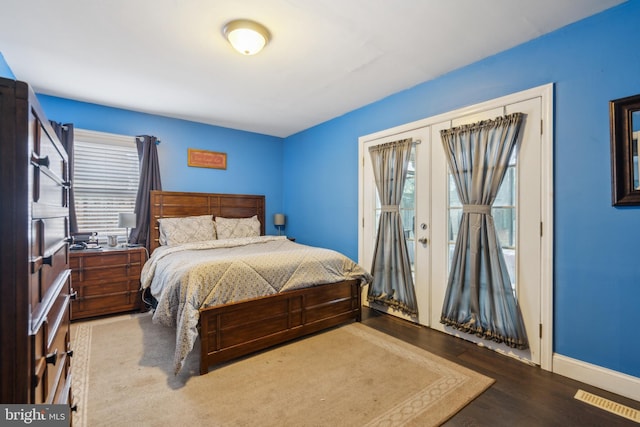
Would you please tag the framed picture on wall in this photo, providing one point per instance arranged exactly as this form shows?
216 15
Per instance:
624 116
206 159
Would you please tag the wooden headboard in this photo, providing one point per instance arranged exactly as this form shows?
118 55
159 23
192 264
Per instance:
173 204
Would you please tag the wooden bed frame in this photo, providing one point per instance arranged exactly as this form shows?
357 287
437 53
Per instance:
233 330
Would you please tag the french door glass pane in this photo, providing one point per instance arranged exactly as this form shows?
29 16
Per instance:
504 217
407 207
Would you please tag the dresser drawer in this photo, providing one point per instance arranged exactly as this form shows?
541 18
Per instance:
49 170
106 267
50 191
90 289
105 274
58 337
39 351
106 304
90 259
55 230
50 343
55 264
45 271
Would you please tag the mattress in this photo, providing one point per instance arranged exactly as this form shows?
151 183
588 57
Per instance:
188 277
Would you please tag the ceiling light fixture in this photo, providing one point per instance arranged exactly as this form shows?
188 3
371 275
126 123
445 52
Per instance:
247 37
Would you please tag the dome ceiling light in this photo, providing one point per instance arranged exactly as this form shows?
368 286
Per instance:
247 37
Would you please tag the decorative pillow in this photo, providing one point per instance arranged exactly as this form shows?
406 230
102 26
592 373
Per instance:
230 228
174 231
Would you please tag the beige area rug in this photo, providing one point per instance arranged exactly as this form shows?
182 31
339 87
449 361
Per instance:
348 376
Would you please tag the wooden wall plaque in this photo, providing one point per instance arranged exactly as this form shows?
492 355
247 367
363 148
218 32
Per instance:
206 159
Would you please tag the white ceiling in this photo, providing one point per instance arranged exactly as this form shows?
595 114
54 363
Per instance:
326 57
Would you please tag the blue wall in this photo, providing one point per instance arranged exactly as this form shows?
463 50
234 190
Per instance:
5 70
597 246
254 161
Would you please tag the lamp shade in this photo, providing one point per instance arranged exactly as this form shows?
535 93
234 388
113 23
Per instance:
126 220
278 219
247 37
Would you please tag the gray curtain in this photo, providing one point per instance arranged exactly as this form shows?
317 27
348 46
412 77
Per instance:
392 279
479 298
149 180
65 135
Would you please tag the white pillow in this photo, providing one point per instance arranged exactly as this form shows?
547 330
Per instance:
174 231
231 228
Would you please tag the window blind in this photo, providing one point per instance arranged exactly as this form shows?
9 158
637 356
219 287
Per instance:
105 180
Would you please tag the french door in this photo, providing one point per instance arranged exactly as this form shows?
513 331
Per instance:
414 212
431 212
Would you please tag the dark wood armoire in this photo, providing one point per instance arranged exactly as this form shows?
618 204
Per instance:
35 284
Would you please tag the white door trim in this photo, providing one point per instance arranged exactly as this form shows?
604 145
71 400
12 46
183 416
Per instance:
545 92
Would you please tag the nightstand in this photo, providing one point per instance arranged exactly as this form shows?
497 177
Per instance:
107 280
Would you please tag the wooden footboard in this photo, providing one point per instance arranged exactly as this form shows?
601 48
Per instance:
238 329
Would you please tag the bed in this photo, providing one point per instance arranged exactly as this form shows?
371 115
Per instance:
227 322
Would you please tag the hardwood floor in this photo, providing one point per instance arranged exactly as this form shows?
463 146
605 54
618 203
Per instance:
521 396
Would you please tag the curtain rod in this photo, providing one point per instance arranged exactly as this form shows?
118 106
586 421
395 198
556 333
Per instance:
142 136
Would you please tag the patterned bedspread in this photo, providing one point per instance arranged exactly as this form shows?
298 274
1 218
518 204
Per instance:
188 277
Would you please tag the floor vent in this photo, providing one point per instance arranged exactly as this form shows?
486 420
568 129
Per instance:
608 405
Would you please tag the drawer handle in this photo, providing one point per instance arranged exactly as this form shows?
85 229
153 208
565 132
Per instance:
73 296
35 381
74 407
70 353
52 358
40 161
48 260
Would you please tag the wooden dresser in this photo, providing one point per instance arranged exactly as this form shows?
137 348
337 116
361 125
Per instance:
107 280
35 285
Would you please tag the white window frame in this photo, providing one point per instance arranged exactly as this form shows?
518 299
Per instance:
112 190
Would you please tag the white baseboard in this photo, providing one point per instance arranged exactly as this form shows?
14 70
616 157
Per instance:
597 376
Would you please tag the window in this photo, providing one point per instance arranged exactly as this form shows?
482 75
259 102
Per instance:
105 180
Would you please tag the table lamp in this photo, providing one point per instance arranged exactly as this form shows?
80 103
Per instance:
278 221
127 220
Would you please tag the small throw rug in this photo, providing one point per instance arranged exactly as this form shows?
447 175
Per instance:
351 375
